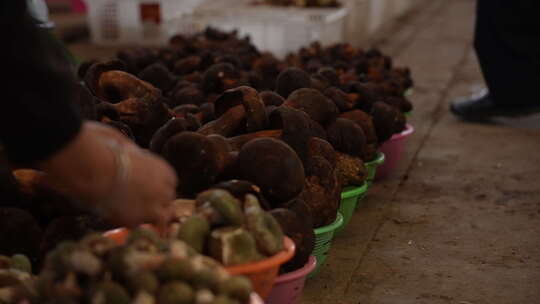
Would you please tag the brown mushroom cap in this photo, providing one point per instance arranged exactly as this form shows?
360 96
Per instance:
239 111
187 65
195 159
172 127
187 95
367 95
158 75
330 75
297 128
347 137
220 77
322 191
290 80
144 117
315 104
387 120
182 110
94 71
320 147
137 59
300 231
273 166
248 97
270 98
365 121
340 99
208 112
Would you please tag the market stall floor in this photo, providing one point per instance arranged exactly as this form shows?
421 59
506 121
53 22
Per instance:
459 222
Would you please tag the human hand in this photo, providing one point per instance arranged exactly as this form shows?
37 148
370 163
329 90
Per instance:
106 171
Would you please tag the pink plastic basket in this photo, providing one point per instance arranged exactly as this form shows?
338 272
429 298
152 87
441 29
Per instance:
288 287
393 152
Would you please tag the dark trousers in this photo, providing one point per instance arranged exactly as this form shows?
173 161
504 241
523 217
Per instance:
507 42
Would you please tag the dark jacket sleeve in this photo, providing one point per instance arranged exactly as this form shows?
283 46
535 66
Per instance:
37 113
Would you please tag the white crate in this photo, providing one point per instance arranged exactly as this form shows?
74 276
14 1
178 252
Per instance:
143 22
356 27
280 30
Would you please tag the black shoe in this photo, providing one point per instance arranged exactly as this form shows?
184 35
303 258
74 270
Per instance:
481 107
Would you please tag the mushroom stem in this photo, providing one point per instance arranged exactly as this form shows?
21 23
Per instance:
227 124
238 142
119 85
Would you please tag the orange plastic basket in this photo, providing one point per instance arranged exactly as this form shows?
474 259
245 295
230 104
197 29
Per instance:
261 273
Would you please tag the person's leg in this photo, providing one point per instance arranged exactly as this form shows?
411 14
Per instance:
507 43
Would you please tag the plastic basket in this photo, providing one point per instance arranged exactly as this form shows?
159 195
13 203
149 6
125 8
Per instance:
323 241
372 167
144 22
280 30
393 150
349 201
261 273
288 287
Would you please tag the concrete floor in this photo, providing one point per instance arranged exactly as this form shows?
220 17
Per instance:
459 221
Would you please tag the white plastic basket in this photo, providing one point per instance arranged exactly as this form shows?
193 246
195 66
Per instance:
279 30
143 22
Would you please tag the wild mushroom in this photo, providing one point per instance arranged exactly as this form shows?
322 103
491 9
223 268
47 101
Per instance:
365 121
109 82
239 110
196 159
290 80
387 120
300 231
158 75
136 59
220 77
290 125
169 129
144 117
315 104
188 95
340 99
347 137
274 167
187 65
270 98
322 191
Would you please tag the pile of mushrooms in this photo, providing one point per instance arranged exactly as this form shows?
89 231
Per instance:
298 130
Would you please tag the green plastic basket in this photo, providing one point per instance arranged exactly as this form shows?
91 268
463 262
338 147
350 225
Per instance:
349 199
323 241
372 167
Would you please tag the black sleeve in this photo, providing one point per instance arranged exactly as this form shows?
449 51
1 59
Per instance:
37 115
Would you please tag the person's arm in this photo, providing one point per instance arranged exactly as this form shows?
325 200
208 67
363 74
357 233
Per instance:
40 128
36 115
